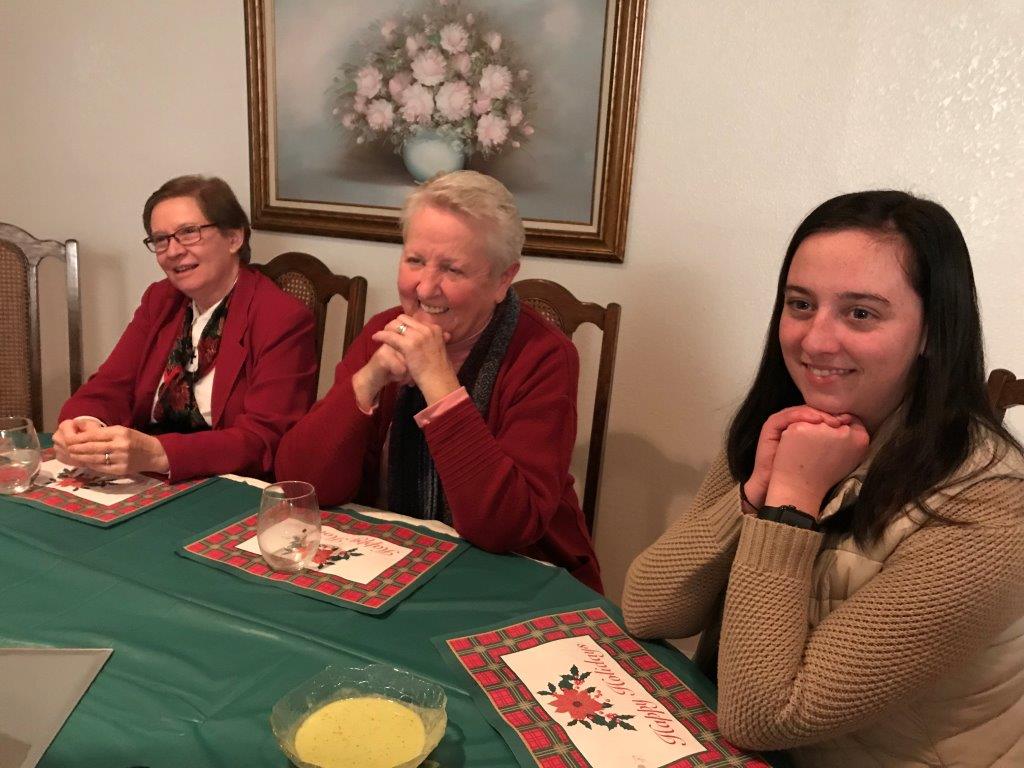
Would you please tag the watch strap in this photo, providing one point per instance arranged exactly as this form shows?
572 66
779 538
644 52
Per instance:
787 514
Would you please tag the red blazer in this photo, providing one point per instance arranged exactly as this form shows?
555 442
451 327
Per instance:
264 377
506 478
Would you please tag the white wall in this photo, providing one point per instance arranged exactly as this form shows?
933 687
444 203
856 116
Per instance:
751 113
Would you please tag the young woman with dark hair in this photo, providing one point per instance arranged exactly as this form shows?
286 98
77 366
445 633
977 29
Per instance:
864 522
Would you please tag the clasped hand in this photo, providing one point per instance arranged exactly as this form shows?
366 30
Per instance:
415 355
109 450
801 453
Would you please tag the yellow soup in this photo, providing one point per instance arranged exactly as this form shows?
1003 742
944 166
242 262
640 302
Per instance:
364 732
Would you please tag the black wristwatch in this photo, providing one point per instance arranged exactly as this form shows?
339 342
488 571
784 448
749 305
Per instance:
788 515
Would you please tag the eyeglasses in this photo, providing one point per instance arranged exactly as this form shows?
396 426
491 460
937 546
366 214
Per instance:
187 235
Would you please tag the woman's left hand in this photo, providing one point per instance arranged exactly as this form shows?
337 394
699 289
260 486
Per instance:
422 346
117 451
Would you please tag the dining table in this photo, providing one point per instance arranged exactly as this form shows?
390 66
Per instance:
201 656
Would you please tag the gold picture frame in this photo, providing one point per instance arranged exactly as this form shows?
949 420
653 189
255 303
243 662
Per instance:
594 230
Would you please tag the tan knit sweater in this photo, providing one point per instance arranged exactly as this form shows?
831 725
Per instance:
941 596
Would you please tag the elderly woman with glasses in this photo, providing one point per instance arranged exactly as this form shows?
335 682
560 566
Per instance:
459 404
216 364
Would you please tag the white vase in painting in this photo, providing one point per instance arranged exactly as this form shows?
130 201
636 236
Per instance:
428 153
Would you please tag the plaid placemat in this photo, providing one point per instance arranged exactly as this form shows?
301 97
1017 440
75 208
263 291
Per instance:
60 500
534 736
430 552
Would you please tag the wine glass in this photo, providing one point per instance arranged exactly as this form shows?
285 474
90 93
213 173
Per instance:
288 525
19 454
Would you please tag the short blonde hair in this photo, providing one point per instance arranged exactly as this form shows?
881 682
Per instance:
481 198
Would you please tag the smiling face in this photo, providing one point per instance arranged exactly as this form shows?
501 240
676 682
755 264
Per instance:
852 325
445 277
203 271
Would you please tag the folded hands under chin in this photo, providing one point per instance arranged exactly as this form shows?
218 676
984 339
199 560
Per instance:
801 453
410 351
109 450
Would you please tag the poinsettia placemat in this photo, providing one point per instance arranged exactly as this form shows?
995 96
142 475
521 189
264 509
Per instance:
369 565
572 689
97 499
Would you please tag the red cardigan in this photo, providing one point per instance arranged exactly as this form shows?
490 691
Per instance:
264 377
506 479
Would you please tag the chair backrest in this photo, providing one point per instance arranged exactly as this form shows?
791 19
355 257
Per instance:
310 281
1004 391
567 312
21 378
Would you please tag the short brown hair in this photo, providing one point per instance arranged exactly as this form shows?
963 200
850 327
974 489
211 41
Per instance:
215 199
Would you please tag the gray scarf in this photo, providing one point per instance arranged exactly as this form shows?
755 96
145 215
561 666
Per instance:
414 487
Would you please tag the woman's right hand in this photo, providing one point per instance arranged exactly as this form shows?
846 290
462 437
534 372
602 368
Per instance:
756 486
385 366
67 434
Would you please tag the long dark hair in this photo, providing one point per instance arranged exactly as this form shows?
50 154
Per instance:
947 408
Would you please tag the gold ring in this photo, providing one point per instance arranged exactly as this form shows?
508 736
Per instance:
106 458
401 329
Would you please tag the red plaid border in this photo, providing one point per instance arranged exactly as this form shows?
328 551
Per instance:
61 502
429 554
547 742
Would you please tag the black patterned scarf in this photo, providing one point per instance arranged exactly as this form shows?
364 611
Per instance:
414 487
176 409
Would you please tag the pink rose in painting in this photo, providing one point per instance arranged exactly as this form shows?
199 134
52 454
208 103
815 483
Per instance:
495 81
493 39
429 67
470 19
368 80
387 29
398 84
349 119
527 130
419 104
481 104
461 63
454 100
413 43
524 75
359 104
514 114
380 114
454 38
491 130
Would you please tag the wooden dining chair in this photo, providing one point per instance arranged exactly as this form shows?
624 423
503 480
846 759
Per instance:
21 378
568 313
310 281
1004 391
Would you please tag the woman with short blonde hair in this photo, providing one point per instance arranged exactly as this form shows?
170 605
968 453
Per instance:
459 404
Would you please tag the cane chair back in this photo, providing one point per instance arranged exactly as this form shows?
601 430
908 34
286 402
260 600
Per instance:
568 313
310 281
1004 391
21 377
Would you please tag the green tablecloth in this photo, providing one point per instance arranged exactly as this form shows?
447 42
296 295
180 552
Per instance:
200 656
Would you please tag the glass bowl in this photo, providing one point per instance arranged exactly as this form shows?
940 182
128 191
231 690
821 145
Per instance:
378 681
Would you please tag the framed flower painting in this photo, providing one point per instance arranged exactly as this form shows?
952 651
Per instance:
353 102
